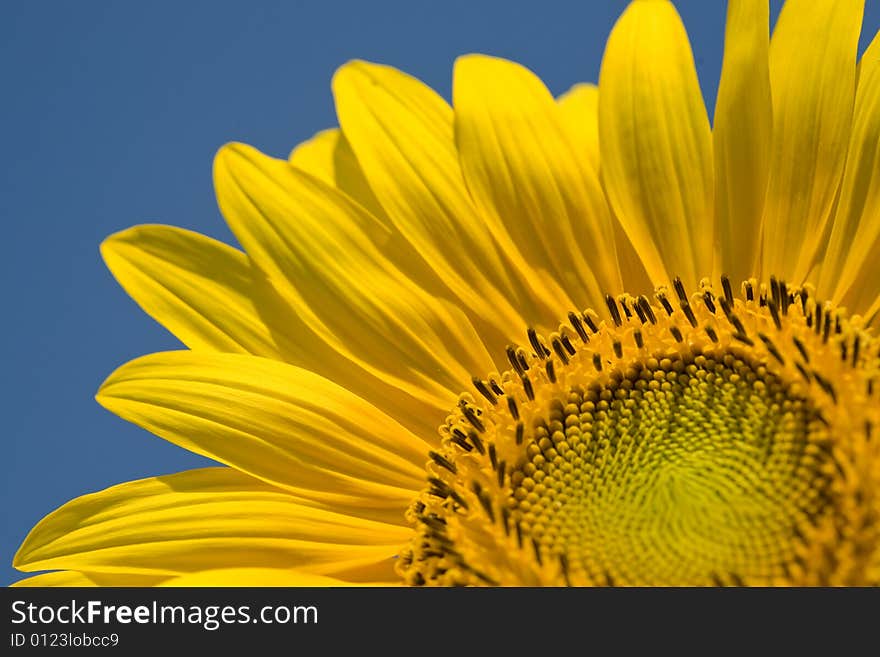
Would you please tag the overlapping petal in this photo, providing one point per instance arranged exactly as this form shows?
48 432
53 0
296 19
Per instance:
579 113
655 141
277 422
201 520
328 157
741 138
401 132
812 78
201 290
73 578
525 177
319 248
262 577
850 272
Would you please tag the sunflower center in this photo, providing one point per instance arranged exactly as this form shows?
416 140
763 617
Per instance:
687 446
674 469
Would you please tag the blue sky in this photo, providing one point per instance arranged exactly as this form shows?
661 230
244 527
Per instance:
111 113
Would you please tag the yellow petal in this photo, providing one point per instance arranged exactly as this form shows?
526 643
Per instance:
319 248
68 578
201 520
850 271
328 157
280 423
812 78
656 147
201 290
579 113
402 134
525 176
742 137
249 577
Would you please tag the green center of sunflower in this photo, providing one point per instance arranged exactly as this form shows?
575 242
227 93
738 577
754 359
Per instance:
690 446
671 470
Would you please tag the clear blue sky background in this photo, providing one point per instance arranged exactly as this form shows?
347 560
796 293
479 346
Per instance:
110 115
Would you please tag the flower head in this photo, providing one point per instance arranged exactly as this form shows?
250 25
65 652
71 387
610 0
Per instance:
646 341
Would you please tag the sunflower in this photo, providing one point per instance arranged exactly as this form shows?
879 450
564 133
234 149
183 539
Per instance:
646 342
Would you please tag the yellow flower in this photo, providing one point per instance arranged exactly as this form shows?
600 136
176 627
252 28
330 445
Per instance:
410 271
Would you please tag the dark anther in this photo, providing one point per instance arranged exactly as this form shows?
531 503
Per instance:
588 319
471 417
826 328
477 442
597 362
461 441
560 351
774 312
785 300
825 384
613 309
661 297
520 431
502 468
519 536
551 371
801 348
837 327
726 307
523 362
750 292
855 355
609 580
637 335
566 342
458 499
512 407
645 305
493 384
537 548
578 326
618 348
510 350
709 301
485 502
771 348
737 324
563 566
527 388
505 520
679 290
725 286
742 337
440 485
443 462
675 333
818 327
481 387
774 291
689 313
493 456
640 312
540 350
803 372
711 333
